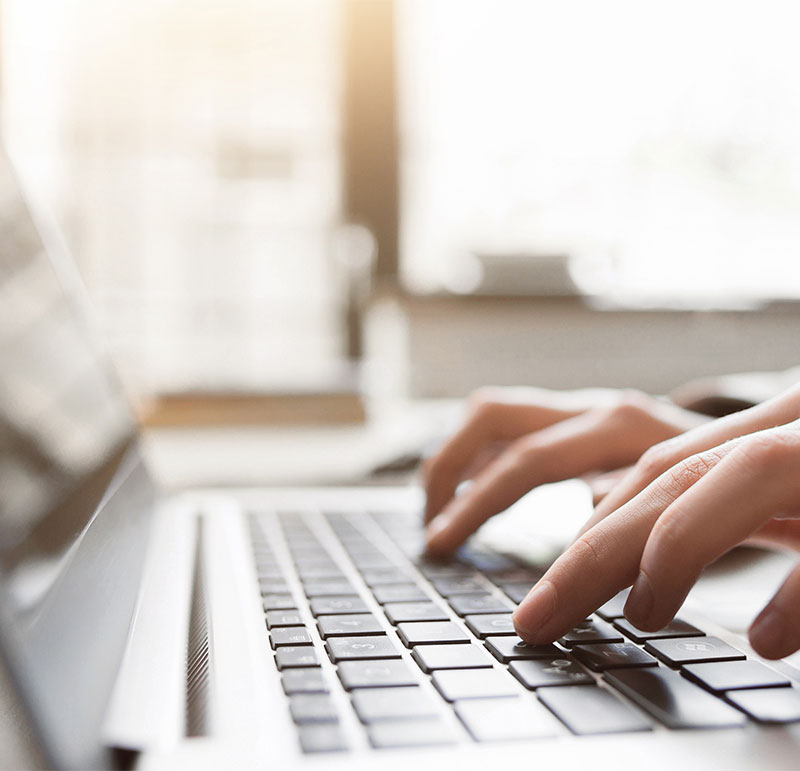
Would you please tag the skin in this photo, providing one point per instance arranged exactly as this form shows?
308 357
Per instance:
658 525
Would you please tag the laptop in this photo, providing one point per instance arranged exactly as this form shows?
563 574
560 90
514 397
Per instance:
303 628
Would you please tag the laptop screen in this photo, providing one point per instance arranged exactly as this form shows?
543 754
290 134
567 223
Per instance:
70 551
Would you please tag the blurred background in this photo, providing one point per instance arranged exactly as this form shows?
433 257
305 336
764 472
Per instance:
563 194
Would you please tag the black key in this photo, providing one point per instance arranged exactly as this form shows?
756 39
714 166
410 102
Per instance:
290 617
512 719
591 632
273 586
615 607
397 612
277 602
516 591
431 632
604 656
296 656
592 710
375 674
376 704
385 576
290 635
339 626
690 650
465 604
437 570
320 573
303 681
734 675
770 705
506 649
675 628
317 588
351 648
457 684
334 606
326 737
312 708
409 733
399 593
451 586
545 673
432 657
673 700
490 624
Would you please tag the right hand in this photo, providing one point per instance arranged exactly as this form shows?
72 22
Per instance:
515 439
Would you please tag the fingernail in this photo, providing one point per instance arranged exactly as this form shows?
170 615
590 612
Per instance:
767 631
535 610
640 602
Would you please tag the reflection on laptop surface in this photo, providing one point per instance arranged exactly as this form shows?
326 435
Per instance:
302 628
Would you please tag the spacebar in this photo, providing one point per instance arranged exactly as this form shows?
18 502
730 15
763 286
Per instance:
673 700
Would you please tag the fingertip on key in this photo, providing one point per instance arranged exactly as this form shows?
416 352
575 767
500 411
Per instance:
534 612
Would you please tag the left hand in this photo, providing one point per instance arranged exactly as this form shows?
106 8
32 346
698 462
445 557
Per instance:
685 503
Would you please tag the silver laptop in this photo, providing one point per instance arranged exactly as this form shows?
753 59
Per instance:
302 628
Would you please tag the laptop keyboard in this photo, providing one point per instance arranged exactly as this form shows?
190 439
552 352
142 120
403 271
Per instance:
426 652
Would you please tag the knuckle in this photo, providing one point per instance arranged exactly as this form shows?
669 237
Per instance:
691 469
481 398
589 548
765 451
655 460
631 407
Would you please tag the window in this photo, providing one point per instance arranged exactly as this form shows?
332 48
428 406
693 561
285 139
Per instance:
657 144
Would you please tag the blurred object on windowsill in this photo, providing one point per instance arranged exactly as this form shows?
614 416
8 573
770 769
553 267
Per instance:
515 273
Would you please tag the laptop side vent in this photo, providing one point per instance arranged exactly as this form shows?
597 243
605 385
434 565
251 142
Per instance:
197 658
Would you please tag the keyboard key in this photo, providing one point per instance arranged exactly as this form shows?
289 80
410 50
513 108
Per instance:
375 704
516 591
693 650
273 586
290 635
370 560
409 733
399 593
334 606
397 612
277 602
326 737
350 648
734 675
312 708
435 570
615 607
675 628
330 588
375 674
544 673
592 710
431 632
512 719
303 681
290 617
339 626
457 684
451 586
432 657
506 649
602 656
490 624
770 705
465 604
320 573
296 656
591 632
385 576
673 700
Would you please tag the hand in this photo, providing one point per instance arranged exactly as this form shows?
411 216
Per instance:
686 502
516 439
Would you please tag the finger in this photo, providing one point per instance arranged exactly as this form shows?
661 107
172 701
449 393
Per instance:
602 484
602 561
779 533
742 492
491 422
662 457
776 631
570 448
